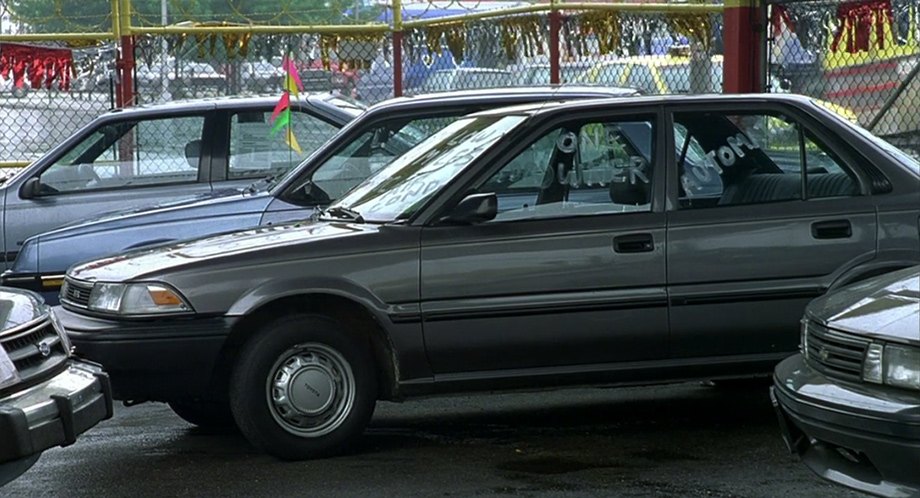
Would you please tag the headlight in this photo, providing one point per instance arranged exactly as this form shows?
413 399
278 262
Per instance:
893 365
136 299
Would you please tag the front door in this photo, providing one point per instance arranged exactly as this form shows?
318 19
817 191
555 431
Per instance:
571 272
768 214
118 166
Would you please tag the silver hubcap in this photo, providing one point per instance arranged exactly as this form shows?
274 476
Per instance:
311 390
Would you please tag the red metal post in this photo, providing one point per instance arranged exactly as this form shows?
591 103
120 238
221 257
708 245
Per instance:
124 97
126 73
397 64
555 24
743 41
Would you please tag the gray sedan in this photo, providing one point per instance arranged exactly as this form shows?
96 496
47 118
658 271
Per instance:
617 240
849 403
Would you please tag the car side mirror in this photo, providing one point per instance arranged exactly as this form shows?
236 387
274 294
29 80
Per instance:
474 208
30 188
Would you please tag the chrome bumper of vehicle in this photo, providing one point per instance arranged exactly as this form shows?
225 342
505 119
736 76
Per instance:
852 435
54 412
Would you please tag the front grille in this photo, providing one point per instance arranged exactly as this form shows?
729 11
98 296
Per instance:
835 354
35 350
75 293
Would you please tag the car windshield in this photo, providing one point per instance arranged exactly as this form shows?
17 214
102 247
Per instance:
398 190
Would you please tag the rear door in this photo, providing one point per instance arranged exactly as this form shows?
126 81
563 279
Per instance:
120 165
768 209
570 273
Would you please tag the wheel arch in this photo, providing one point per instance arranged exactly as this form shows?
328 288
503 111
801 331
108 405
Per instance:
355 316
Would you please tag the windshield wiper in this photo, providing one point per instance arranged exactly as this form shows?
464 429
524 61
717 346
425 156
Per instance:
344 212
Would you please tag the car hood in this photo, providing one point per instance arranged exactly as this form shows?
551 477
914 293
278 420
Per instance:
886 307
18 307
220 202
270 240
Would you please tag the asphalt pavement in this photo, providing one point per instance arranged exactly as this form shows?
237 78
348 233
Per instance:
664 441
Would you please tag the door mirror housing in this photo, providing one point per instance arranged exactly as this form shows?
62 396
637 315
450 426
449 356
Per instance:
30 188
474 208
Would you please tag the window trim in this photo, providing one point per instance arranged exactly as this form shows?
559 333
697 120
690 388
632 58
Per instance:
220 165
201 177
805 121
498 157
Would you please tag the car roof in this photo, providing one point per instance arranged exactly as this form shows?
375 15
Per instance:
319 99
499 94
538 108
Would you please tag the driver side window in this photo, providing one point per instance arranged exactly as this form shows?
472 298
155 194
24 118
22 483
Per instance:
129 154
581 169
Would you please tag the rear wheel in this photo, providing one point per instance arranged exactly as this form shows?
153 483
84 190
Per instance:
303 388
206 414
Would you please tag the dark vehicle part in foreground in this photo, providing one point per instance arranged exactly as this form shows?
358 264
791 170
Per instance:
47 398
644 239
377 137
849 403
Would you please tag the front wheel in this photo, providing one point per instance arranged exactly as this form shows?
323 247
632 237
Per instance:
303 388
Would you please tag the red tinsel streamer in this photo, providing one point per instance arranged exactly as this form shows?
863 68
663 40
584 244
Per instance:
779 17
856 22
42 65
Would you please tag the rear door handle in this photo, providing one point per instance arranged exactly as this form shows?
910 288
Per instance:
639 242
834 229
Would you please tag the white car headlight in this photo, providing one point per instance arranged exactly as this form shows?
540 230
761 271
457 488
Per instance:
902 366
136 299
892 365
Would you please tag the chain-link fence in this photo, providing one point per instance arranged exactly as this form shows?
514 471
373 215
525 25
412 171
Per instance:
52 87
218 51
860 57
653 52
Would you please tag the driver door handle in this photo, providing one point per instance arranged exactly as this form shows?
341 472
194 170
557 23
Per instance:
836 229
638 242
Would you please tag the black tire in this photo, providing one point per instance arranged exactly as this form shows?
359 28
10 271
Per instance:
340 388
209 415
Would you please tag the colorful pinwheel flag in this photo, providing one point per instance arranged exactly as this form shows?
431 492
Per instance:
281 116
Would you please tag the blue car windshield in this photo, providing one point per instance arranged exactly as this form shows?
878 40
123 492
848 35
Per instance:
403 186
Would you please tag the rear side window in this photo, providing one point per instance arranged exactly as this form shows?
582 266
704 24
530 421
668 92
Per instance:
727 159
130 154
256 153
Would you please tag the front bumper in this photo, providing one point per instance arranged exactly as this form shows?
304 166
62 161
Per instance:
54 412
861 436
153 360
